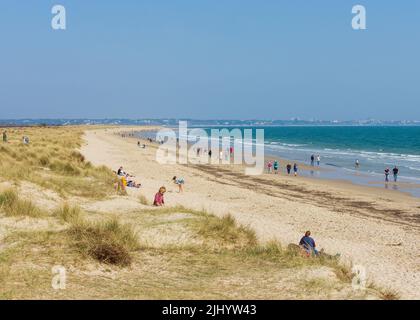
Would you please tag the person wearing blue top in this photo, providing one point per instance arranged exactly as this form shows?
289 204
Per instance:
179 182
308 243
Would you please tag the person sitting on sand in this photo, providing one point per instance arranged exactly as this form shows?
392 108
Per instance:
159 200
121 172
179 182
131 183
308 243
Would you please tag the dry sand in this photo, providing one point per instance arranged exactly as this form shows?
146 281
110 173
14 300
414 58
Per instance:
371 227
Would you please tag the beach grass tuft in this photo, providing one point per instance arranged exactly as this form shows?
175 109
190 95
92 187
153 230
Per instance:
225 230
108 242
67 213
12 205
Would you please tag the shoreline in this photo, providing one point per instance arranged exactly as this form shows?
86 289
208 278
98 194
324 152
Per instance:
329 174
366 225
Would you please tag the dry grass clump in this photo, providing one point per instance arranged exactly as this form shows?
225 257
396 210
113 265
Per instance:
108 242
225 231
67 213
384 293
12 205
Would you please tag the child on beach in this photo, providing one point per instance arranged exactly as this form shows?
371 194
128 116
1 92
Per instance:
288 168
159 200
276 166
179 182
295 169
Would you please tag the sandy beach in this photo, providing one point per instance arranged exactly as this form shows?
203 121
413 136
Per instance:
375 228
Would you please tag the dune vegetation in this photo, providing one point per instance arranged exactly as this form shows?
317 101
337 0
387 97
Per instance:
143 253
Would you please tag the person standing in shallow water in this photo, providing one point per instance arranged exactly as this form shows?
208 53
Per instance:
312 160
395 172
276 166
269 166
386 174
295 168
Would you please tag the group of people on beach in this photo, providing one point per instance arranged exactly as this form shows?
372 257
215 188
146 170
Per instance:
274 166
125 180
395 171
318 160
159 199
25 139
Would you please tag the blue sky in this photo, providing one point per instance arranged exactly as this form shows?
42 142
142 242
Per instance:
210 59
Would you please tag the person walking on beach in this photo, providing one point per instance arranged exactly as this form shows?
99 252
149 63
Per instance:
210 153
318 160
312 160
276 166
269 166
295 169
395 172
288 168
4 136
386 174
357 164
